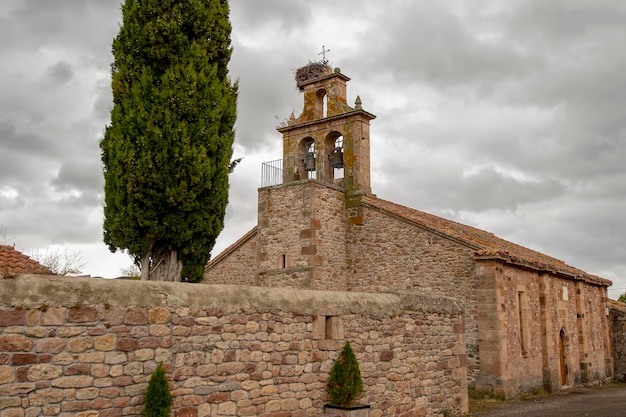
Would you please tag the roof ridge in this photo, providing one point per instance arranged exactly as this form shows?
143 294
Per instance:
483 242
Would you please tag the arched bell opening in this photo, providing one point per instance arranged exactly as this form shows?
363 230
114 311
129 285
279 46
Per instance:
308 163
333 149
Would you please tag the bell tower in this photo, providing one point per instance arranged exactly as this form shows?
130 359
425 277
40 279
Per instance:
329 141
310 197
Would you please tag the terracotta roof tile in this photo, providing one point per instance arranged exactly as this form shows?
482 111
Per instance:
15 262
485 244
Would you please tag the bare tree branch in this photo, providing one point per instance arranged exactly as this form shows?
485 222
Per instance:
60 261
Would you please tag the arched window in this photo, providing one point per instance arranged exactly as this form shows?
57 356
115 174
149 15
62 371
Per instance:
321 104
309 159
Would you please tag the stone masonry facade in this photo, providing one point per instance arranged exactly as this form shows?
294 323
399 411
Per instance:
307 238
531 321
86 347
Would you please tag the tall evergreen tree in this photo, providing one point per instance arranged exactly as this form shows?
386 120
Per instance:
167 153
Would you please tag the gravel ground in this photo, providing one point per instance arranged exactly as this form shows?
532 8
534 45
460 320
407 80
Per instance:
605 401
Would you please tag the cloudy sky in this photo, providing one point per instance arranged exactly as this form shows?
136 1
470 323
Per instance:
508 116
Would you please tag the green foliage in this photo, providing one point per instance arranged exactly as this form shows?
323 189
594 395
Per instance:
345 383
622 298
158 401
167 152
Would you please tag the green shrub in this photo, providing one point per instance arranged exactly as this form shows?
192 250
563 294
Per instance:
345 383
158 401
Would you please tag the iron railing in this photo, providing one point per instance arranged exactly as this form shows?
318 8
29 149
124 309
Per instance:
282 171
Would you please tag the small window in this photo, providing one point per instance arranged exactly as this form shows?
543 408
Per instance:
327 327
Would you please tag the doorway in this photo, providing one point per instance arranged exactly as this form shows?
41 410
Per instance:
562 357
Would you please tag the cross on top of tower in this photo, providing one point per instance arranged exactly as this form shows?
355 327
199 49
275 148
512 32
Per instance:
323 54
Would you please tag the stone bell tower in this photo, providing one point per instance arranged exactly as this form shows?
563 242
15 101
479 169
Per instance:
309 197
329 141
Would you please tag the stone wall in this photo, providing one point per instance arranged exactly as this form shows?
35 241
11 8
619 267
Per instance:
86 347
617 322
301 237
544 330
237 264
388 253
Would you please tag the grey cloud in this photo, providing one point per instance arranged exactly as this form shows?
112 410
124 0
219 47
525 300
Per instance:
60 73
23 143
532 87
88 24
79 174
274 15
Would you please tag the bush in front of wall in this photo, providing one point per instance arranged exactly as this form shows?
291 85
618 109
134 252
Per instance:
345 383
158 401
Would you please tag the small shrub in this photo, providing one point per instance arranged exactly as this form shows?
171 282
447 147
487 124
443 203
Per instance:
345 383
158 401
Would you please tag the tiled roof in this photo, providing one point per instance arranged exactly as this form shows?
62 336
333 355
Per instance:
617 305
15 262
486 245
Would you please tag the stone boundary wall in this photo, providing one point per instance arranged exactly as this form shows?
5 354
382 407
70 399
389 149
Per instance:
617 325
87 346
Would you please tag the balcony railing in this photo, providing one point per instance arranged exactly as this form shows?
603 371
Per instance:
282 171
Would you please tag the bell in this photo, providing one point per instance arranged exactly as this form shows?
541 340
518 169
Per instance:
309 161
336 158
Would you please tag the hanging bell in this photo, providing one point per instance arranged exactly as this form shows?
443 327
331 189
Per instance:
309 161
336 158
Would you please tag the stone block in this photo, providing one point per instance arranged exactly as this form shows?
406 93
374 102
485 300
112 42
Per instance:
15 343
7 374
136 316
79 381
187 412
79 344
51 345
12 317
53 316
105 342
6 402
43 371
23 359
82 315
158 315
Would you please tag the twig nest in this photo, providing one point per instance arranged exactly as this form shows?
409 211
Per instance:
311 71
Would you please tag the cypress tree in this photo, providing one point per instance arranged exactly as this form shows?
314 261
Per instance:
167 152
158 401
345 383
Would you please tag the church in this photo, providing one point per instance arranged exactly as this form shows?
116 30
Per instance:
531 321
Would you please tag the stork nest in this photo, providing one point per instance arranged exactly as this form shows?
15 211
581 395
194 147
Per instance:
311 71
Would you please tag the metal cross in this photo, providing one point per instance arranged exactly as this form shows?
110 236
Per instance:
323 54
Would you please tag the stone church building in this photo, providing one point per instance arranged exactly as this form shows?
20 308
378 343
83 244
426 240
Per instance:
531 321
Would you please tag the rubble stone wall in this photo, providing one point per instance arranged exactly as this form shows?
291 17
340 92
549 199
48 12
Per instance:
388 254
87 346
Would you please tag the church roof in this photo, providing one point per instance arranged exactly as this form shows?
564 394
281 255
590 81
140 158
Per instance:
486 245
15 262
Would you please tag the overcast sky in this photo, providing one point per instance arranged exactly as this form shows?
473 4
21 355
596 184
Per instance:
509 116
